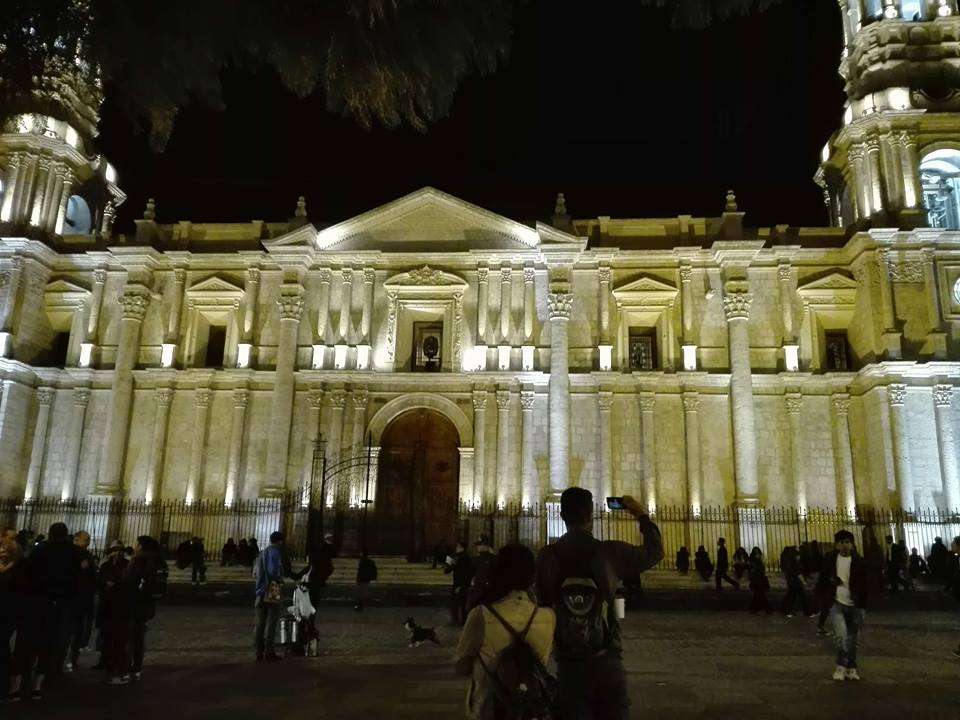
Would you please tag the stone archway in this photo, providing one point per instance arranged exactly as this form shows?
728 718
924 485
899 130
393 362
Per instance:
417 484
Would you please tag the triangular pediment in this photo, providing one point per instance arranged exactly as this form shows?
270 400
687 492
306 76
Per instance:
215 285
645 284
833 281
428 220
64 287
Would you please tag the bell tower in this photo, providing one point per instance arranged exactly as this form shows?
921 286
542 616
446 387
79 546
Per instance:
52 183
895 162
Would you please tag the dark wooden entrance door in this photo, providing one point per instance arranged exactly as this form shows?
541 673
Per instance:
417 484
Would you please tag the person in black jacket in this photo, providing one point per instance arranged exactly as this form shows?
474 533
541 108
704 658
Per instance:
140 581
683 560
462 570
13 588
723 565
198 562
792 567
844 584
81 627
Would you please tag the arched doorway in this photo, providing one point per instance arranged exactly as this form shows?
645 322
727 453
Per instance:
417 484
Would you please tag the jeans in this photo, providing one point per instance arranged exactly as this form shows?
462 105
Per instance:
593 689
268 615
199 571
846 621
458 606
723 576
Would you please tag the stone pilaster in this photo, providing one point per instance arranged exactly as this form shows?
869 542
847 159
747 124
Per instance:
44 178
504 485
531 490
10 184
361 399
323 305
162 398
71 470
529 304
843 454
346 300
691 424
134 302
946 444
393 313
339 491
241 396
784 279
92 331
604 275
794 404
310 436
65 190
936 345
14 280
176 307
890 338
686 304
367 311
483 305
605 406
251 299
45 398
198 445
897 398
479 444
506 295
648 404
559 305
875 180
290 303
736 306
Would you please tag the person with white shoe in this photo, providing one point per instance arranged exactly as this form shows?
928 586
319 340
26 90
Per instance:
844 584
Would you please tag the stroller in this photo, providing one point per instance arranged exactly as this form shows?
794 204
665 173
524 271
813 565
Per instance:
302 614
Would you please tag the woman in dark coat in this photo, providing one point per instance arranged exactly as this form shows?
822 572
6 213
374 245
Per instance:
759 583
702 564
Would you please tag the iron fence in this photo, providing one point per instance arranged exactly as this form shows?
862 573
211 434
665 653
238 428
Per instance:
350 525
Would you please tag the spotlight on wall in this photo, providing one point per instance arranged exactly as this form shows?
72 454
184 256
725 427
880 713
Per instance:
317 361
243 355
944 10
606 356
689 357
363 357
791 357
166 354
503 357
480 357
86 355
339 356
527 357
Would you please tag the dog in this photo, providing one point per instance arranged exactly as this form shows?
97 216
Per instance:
419 634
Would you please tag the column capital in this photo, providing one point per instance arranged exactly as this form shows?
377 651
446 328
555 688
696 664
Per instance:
648 401
369 275
505 273
479 399
686 273
503 399
338 398
134 302
604 273
560 305
691 402
360 398
784 272
81 396
290 302
324 274
100 276
43 163
605 401
14 160
896 394
315 398
163 396
202 397
529 274
794 403
942 395
241 396
527 399
45 395
841 404
253 275
736 305
482 273
347 275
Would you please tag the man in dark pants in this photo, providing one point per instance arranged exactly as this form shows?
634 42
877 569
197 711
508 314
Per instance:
593 684
139 580
895 555
723 565
83 610
462 570
792 569
198 562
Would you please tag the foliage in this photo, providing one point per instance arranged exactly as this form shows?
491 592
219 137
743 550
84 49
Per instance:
698 14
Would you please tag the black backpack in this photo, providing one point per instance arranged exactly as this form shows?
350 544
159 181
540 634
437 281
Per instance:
585 618
523 688
154 583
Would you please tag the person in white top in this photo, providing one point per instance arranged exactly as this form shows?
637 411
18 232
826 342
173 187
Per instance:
843 585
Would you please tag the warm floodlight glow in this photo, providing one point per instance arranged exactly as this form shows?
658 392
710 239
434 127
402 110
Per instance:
527 357
363 357
791 357
944 9
480 357
689 357
848 115
86 354
317 362
243 355
899 98
606 356
890 12
5 344
825 153
339 356
503 357
166 354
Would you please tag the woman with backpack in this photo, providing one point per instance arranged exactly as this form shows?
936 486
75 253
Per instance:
506 642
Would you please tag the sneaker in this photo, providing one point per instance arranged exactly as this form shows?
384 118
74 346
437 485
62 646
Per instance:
36 695
852 674
119 680
840 673
788 614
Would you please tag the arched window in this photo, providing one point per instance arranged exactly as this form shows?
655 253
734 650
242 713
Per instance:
940 177
872 10
78 220
911 9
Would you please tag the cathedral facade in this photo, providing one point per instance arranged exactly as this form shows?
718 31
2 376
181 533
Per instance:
688 361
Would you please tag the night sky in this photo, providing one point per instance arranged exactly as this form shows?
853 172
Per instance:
611 106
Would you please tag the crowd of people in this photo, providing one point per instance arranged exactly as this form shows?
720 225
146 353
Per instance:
53 593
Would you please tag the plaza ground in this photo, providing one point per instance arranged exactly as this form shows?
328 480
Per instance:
682 664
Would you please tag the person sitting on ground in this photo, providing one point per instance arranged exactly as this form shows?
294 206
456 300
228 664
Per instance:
683 560
578 576
482 568
759 583
937 560
702 564
228 553
918 566
741 562
508 605
243 552
366 574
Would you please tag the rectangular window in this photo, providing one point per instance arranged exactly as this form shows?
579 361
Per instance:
838 351
643 349
216 346
55 356
427 347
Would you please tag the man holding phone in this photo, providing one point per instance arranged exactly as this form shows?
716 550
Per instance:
578 577
843 583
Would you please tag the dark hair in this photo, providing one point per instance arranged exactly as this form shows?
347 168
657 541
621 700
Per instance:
513 569
58 531
576 506
148 543
842 535
275 537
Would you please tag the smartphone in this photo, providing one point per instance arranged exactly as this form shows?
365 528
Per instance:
616 503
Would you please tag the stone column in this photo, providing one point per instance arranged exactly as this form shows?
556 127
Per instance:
896 398
393 312
24 190
946 443
529 304
648 403
559 304
531 491
346 299
605 404
691 424
9 309
176 308
71 469
874 188
483 305
479 444
859 181
66 187
843 455
45 398
794 404
504 485
290 302
936 339
367 313
736 306
241 396
323 305
48 214
910 168
251 298
44 178
686 303
457 361
360 399
10 183
134 302
199 442
784 275
338 399
604 275
162 398
311 435
92 333
505 303
890 337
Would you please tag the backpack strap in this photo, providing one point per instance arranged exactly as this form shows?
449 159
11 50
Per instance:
521 636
